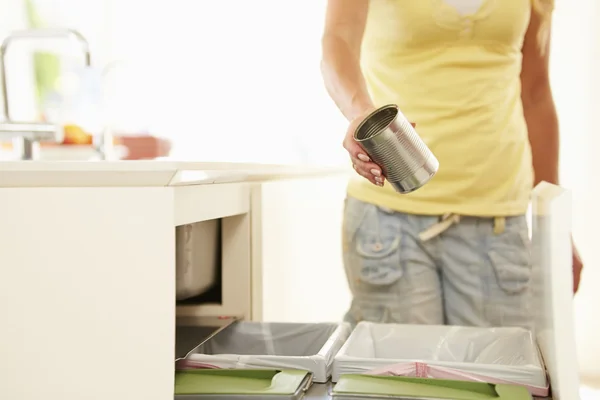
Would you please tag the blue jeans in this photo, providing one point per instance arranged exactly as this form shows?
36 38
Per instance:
414 269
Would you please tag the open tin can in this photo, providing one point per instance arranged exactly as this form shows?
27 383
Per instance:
393 144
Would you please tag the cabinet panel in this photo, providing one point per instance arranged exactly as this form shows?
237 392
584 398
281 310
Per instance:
297 270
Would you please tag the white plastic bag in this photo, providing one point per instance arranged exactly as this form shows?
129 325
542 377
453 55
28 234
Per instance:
494 355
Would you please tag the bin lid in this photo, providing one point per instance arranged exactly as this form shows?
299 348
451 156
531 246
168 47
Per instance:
227 383
400 387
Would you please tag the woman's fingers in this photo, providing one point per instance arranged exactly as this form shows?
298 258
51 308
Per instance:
361 162
368 170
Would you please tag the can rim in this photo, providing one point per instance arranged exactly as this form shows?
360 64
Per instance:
371 115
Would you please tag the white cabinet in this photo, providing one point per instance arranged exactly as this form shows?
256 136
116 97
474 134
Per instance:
284 262
87 293
231 204
297 271
87 267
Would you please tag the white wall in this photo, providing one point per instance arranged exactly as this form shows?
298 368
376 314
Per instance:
232 80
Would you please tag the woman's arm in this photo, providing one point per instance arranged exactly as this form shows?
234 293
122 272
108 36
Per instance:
540 114
538 104
342 38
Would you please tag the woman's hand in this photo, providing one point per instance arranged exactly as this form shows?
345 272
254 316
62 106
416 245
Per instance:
577 267
361 162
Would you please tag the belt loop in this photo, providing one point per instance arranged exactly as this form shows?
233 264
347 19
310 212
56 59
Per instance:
499 225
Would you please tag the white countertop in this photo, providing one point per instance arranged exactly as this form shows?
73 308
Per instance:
146 173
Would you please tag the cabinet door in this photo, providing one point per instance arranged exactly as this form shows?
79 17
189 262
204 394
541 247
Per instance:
297 269
552 285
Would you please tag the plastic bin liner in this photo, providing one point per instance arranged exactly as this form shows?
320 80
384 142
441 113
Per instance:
244 345
493 355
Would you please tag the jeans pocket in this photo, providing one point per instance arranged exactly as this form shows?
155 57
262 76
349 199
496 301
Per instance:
376 270
510 256
377 250
380 258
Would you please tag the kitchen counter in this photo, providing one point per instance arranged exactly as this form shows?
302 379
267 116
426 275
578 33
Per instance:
147 173
87 268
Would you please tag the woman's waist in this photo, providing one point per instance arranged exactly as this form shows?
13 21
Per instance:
441 197
470 181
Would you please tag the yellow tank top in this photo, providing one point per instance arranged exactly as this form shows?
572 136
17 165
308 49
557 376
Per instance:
455 73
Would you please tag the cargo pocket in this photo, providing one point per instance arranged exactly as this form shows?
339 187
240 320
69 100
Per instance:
372 261
510 256
377 247
380 260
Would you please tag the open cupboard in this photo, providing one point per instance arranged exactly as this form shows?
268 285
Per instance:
294 237
553 348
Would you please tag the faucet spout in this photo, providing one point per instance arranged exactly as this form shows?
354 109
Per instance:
49 34
37 34
29 134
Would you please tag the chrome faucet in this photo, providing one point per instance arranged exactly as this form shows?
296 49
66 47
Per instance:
29 133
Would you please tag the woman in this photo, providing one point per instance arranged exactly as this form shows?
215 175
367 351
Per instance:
473 76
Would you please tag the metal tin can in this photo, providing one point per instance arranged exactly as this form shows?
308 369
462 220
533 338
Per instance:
393 144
